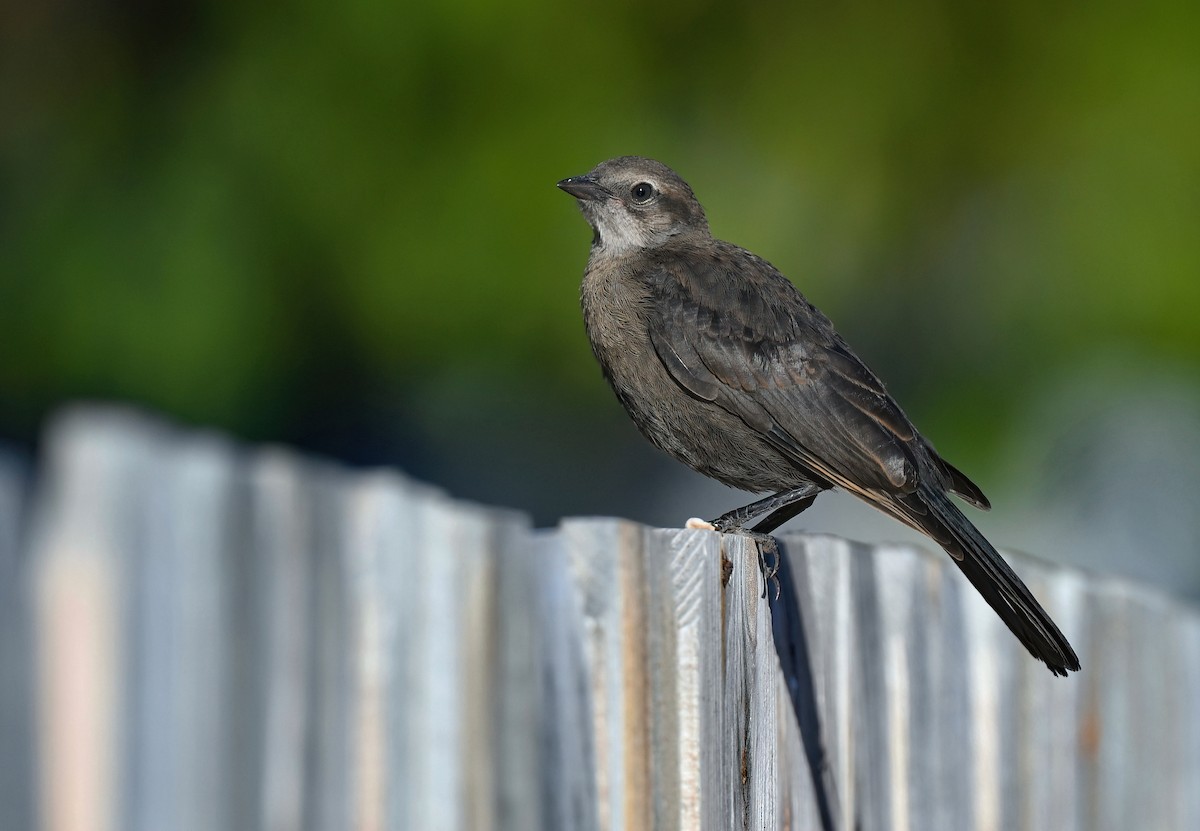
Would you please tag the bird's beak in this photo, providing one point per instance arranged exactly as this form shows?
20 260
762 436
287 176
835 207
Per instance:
585 188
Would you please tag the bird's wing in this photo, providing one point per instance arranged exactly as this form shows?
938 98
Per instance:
730 329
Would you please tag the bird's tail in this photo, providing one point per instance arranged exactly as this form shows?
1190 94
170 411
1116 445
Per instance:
994 579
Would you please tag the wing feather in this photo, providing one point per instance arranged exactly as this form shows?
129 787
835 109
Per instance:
734 331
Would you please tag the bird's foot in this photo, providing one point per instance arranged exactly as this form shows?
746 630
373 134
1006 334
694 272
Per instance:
731 523
768 548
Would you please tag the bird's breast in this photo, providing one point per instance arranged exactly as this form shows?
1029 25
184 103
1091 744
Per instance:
617 313
617 316
616 310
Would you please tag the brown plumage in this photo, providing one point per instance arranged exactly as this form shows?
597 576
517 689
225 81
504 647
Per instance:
722 363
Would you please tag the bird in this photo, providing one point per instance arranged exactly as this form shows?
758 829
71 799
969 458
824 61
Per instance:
721 362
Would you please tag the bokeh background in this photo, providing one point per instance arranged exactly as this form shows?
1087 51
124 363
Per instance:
336 226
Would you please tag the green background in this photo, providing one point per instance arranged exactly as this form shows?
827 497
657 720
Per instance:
336 225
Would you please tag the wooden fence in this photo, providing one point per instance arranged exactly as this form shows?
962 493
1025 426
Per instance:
200 635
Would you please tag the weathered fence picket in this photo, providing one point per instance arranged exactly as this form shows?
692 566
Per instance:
16 686
226 637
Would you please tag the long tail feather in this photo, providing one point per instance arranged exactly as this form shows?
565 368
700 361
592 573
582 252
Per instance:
996 581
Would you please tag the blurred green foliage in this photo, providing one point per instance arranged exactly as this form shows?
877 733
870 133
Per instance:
270 216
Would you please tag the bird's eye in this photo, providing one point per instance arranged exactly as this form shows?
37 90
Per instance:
642 192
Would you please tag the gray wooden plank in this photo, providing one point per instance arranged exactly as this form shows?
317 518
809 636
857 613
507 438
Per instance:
176 627
16 652
1113 724
428 664
796 806
751 702
82 539
770 708
1052 709
569 793
475 605
992 656
1183 681
128 510
380 547
282 543
436 674
518 693
915 692
947 693
328 798
374 515
433 698
248 575
888 684
1143 722
823 573
872 758
607 563
683 579
1158 723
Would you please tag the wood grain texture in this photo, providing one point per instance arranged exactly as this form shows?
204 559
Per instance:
234 637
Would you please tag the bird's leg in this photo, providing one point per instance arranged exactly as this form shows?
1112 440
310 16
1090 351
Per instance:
782 514
779 508
764 528
776 505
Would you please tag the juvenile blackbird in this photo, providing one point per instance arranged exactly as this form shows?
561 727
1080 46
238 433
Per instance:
723 364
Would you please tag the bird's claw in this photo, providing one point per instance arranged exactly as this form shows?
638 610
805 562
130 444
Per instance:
766 544
768 558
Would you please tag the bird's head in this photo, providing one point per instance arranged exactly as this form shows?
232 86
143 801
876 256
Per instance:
634 203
